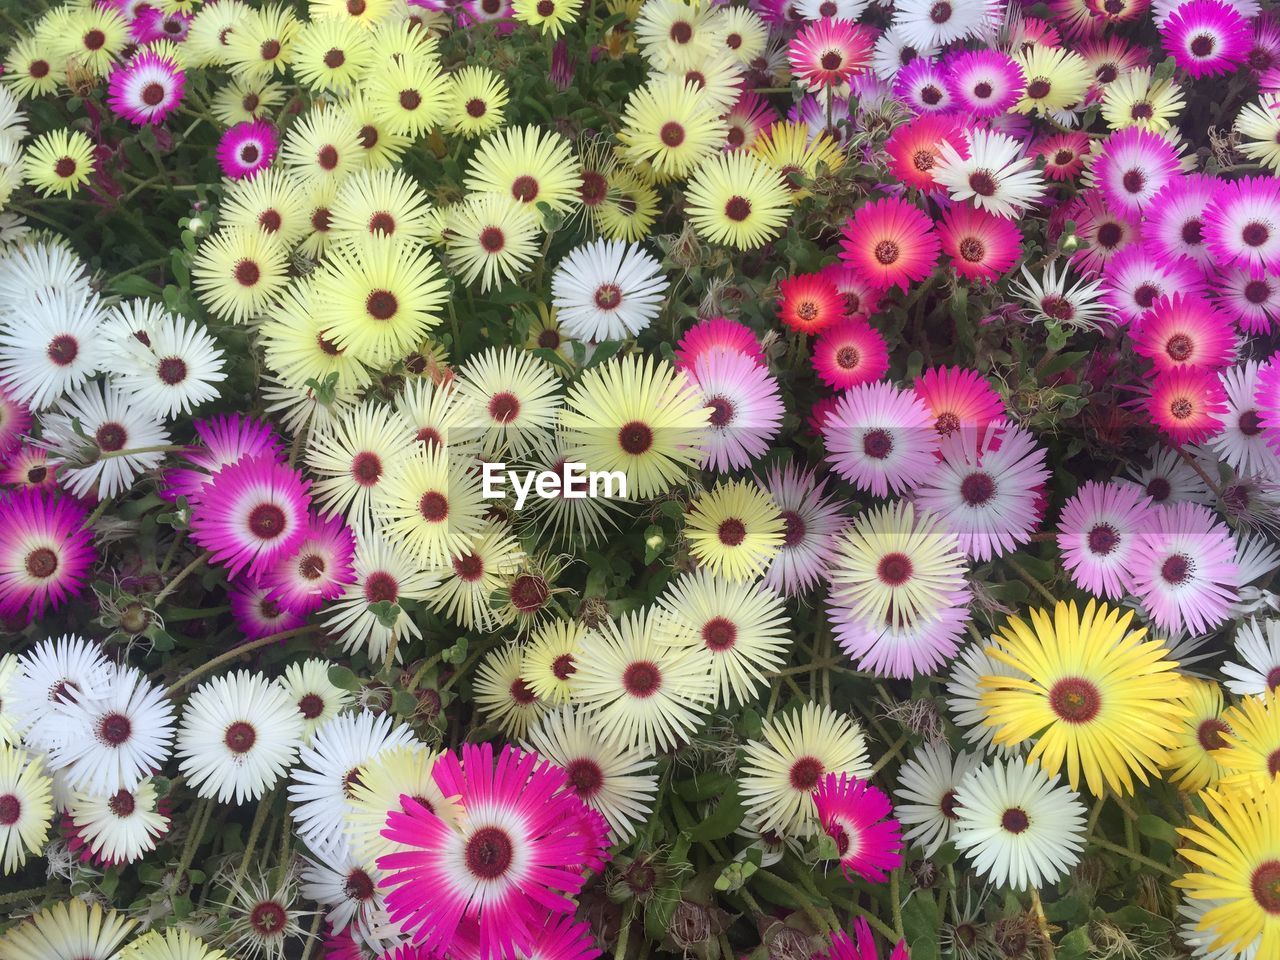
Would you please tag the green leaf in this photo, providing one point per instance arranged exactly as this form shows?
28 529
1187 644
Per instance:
1149 825
920 923
1075 945
723 819
605 350
403 703
386 612
343 678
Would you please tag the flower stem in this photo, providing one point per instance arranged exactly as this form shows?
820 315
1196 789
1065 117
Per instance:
174 688
181 575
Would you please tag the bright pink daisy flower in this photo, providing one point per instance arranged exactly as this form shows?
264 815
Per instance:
1174 225
810 521
746 411
252 513
862 946
146 89
1185 329
1186 404
1264 53
981 246
860 298
247 148
716 333
1183 568
1136 277
225 439
922 86
1096 535
891 243
880 438
983 83
15 422
45 552
827 53
1064 155
1268 400
486 11
856 816
257 613
958 397
515 858
985 486
1242 224
317 569
1207 38
913 149
1103 231
1253 301
1134 164
849 352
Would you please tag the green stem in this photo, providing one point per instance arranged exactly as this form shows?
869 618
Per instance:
174 688
1145 861
895 901
259 819
800 897
34 893
181 575
624 932
199 820
1031 581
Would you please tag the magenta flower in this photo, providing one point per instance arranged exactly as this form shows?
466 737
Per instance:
252 513
257 613
15 422
146 89
849 352
862 946
856 816
1242 224
958 397
880 438
983 83
45 552
225 439
515 860
1133 166
1137 276
1207 38
827 53
247 148
317 569
1186 404
1188 330
716 333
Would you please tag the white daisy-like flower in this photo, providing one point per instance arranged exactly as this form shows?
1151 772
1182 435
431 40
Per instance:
926 794
1050 299
349 457
239 734
512 396
995 176
317 698
1241 444
347 887
939 22
800 747
129 323
39 270
746 409
102 440
618 781
897 47
172 374
47 346
120 826
1258 646
49 679
964 696
1169 478
384 572
607 290
835 9
113 741
321 782
1019 827
1256 557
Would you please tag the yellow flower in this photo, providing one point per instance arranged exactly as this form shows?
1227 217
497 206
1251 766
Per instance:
1192 763
734 529
1133 99
1251 754
529 164
59 161
787 148
738 200
332 54
26 800
550 16
476 101
672 125
1096 695
1238 852
238 272
1056 79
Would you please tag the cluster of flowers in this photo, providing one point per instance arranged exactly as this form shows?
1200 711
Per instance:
424 276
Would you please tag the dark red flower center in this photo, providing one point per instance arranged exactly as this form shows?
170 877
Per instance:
877 444
1103 538
489 853
41 563
1015 820
635 437
111 437
240 737
641 679
719 634
114 729
267 521
434 506
977 489
894 569
585 777
380 586
1075 700
1265 886
805 773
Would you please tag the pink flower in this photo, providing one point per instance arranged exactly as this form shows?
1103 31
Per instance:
45 552
849 352
317 569
1096 535
1187 330
247 148
856 815
827 53
890 243
1185 403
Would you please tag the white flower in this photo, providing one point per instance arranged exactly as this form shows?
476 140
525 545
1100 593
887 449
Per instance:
939 22
348 888
1051 300
327 768
114 740
1242 445
38 270
964 696
317 698
174 372
995 176
926 794
1258 645
897 47
120 826
615 779
239 735
607 290
1019 828
49 678
47 346
8 718
91 434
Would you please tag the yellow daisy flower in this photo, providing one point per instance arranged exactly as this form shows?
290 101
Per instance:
59 162
786 147
1192 762
738 200
549 16
734 530
528 163
549 660
237 273
1056 79
477 100
332 54
430 504
1133 99
262 43
1250 755
26 806
672 125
